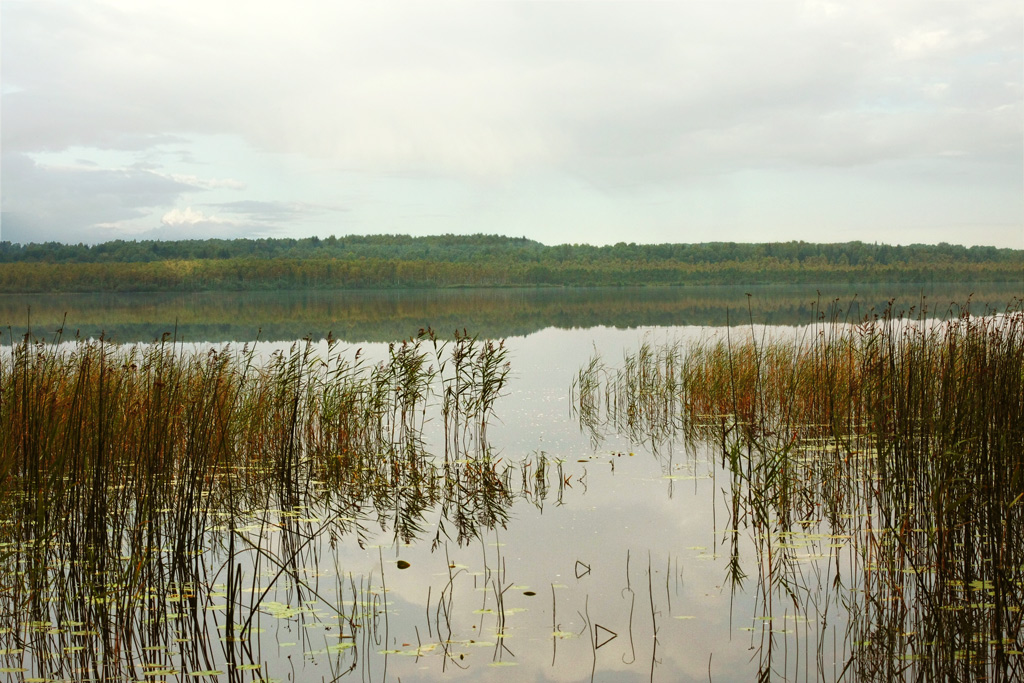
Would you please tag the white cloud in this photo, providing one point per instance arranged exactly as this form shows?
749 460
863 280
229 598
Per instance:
190 223
189 216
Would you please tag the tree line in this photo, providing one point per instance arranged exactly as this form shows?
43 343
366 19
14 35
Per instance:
401 261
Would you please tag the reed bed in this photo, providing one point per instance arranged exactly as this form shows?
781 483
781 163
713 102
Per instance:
124 469
901 438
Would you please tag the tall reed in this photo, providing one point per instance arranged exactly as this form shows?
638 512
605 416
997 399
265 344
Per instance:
121 467
904 433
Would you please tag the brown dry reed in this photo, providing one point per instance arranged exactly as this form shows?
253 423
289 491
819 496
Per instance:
121 466
903 434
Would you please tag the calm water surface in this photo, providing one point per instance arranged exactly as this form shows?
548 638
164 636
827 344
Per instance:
608 561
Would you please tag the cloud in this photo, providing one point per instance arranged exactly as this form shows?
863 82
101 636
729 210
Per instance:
255 219
189 223
486 99
189 216
273 211
498 88
88 203
208 183
42 202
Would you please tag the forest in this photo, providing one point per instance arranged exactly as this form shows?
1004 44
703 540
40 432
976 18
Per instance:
402 261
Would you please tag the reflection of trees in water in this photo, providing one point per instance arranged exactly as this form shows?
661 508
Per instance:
493 313
879 470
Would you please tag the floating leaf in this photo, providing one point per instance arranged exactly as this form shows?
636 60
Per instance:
338 647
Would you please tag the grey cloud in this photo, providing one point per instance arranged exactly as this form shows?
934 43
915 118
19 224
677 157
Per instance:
39 119
47 203
772 92
619 95
607 89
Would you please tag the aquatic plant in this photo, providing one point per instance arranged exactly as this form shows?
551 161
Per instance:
900 436
124 469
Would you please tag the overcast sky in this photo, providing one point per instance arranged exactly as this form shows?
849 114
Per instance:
894 121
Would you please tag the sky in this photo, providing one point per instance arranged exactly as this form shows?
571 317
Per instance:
891 121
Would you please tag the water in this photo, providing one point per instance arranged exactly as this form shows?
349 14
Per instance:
604 561
361 316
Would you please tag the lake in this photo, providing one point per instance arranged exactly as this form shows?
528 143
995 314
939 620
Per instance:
501 538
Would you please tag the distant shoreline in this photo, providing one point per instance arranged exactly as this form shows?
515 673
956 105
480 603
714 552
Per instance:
450 261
